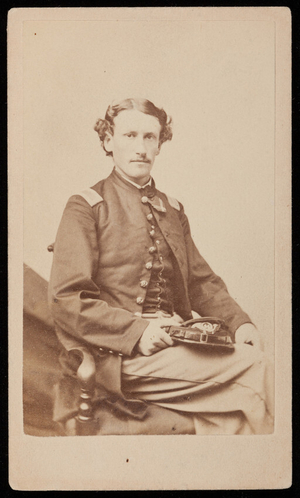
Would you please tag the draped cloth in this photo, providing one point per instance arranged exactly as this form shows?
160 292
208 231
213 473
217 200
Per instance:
41 349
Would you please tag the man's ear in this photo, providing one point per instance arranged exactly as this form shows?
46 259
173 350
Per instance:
108 145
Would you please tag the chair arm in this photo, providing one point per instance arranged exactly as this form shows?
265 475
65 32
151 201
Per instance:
87 369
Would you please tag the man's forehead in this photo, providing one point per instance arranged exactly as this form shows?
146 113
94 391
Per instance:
136 121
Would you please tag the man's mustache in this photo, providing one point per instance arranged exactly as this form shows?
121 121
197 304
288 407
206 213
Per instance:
140 161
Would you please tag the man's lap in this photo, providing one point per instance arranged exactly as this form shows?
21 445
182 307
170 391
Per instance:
198 364
183 373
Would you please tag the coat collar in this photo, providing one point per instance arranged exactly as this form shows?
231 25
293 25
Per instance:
131 186
148 192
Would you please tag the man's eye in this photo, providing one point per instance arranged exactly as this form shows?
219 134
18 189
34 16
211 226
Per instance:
129 135
150 137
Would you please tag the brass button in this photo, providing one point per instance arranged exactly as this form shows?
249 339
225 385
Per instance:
143 283
152 233
152 249
120 354
139 300
149 216
144 199
157 242
148 265
111 352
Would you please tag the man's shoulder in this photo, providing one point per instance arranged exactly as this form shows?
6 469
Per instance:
92 195
174 203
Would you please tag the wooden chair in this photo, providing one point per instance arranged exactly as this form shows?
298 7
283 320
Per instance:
101 421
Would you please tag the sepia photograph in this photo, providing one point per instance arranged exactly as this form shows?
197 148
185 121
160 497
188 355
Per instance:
149 157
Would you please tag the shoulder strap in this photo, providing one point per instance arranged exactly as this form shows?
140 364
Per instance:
173 202
91 196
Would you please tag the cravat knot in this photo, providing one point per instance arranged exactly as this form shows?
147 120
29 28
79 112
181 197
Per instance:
148 191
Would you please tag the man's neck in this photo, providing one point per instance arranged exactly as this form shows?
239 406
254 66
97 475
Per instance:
148 182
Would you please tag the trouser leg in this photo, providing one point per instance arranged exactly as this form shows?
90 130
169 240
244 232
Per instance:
226 393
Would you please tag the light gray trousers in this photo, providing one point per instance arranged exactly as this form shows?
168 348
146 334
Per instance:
227 392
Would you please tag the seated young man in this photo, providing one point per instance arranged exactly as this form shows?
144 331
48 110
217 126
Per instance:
125 266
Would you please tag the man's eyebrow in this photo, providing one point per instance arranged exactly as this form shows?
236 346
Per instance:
151 133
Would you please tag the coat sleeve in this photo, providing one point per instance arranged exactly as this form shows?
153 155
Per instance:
74 298
208 293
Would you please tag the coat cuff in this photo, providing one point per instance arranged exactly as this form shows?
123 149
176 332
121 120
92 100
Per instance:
136 331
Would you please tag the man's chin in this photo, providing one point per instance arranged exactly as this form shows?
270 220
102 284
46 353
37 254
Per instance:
140 169
138 172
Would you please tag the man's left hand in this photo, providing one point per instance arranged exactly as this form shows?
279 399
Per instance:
248 334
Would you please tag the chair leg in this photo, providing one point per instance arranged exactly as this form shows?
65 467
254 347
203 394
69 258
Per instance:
85 423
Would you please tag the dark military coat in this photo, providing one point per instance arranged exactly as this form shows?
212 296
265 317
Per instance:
100 259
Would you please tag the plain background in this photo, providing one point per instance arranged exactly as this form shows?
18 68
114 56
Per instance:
216 79
211 68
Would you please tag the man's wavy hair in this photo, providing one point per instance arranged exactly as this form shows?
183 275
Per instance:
106 126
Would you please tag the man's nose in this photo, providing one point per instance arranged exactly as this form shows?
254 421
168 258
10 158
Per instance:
140 146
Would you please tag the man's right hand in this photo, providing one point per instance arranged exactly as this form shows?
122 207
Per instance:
155 337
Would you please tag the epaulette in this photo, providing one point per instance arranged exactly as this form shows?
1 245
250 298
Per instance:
91 196
174 203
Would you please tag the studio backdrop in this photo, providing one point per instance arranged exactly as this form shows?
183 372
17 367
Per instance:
217 81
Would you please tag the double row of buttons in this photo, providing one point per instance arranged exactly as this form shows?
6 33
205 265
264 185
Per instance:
149 217
152 249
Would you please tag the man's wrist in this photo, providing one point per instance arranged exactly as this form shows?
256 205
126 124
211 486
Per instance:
245 326
248 334
136 346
